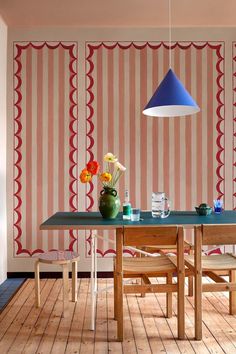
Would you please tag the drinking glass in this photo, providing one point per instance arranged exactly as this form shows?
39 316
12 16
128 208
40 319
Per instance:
218 206
135 214
160 205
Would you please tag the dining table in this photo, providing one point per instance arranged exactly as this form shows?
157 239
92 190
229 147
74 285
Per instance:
94 221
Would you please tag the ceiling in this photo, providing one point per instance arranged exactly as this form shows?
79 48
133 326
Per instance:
118 13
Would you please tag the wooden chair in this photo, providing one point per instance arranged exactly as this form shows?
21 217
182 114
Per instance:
165 249
62 258
212 266
146 267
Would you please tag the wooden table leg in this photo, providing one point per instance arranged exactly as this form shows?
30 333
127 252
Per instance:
198 282
119 283
232 294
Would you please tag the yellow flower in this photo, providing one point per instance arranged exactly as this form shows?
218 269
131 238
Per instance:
119 166
109 157
105 177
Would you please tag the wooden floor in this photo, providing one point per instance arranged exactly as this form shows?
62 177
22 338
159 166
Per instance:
25 329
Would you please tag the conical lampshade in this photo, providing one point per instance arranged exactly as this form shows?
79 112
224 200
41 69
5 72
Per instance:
171 99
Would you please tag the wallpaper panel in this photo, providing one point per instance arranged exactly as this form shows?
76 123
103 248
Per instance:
45 142
182 156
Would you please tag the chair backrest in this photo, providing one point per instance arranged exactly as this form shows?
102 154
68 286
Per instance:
218 234
158 235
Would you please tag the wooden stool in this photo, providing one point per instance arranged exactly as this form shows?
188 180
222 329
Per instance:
62 258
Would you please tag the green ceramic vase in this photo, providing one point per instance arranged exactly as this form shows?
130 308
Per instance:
109 203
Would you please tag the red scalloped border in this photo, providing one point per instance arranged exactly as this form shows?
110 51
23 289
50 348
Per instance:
91 47
73 127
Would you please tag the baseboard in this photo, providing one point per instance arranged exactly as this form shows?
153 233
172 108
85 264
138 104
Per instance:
56 275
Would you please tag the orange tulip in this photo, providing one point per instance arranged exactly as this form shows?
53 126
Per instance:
85 176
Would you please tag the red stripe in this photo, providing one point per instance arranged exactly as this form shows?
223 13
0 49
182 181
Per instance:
132 83
155 181
39 146
61 139
210 126
188 137
28 150
110 101
143 128
199 128
50 141
177 201
166 142
122 142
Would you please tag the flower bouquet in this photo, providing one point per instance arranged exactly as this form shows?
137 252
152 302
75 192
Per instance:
109 202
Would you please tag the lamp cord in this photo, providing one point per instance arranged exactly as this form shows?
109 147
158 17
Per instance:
169 33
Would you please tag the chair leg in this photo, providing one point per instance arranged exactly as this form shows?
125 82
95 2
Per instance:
169 297
37 283
181 280
232 294
190 280
115 292
119 279
198 284
65 288
74 281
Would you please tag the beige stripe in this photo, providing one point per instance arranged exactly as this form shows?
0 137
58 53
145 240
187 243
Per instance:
160 126
56 139
105 97
116 101
171 162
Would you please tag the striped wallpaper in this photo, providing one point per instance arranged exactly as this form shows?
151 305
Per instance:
183 156
45 142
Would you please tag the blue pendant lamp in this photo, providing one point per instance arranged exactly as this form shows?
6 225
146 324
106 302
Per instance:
171 99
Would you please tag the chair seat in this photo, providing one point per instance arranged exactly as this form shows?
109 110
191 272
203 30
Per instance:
215 262
148 265
58 257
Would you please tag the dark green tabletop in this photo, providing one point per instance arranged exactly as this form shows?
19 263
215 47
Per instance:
94 220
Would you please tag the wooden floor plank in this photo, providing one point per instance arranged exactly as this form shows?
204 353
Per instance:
147 306
25 329
101 330
113 346
74 339
42 327
30 322
140 335
23 309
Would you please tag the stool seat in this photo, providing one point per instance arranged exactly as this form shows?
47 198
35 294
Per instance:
58 257
62 258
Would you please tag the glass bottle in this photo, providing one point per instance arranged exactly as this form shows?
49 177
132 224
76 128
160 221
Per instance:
126 207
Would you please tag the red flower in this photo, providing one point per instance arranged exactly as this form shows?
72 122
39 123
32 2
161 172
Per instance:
93 167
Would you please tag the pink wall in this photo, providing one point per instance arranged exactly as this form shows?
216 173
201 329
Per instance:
3 120
78 99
